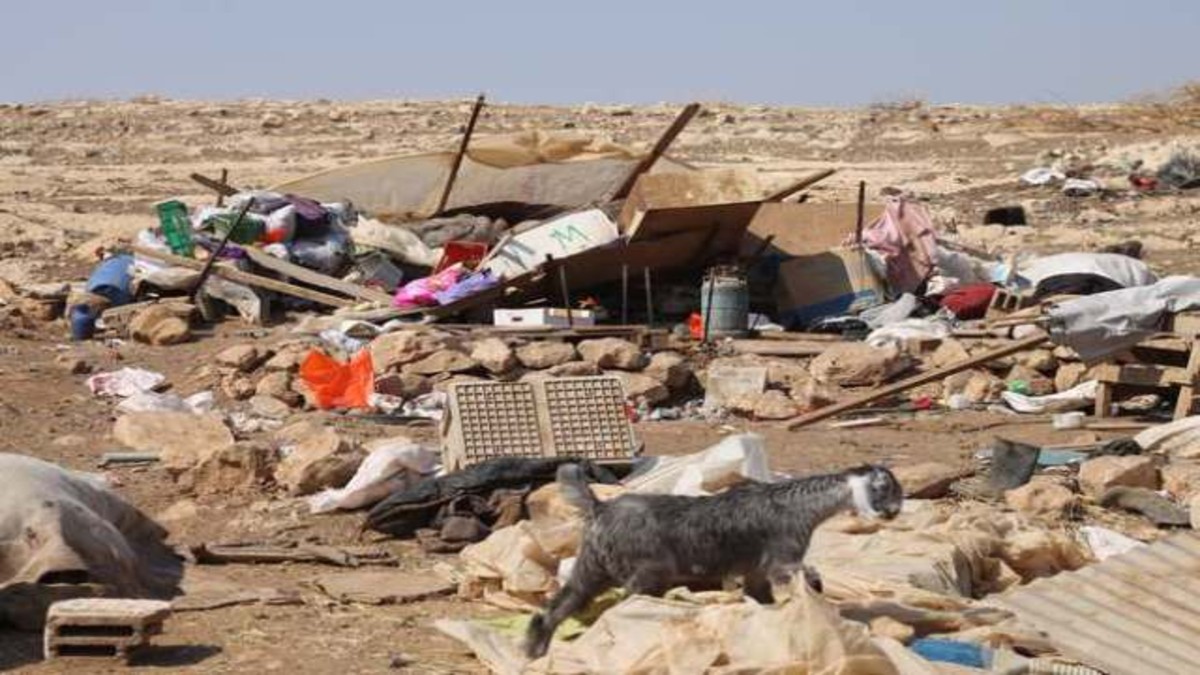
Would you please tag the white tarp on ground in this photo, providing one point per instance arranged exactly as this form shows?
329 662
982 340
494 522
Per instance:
531 167
1098 325
1124 270
56 524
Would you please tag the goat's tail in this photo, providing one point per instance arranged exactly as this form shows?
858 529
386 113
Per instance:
575 490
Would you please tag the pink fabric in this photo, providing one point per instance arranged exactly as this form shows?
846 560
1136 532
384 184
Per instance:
904 237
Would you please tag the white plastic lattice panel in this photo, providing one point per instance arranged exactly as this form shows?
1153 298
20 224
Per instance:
586 418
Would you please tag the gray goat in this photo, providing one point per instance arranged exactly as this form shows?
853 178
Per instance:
651 543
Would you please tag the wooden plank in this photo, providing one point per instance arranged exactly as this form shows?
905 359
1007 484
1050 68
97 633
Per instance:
458 156
808 181
779 347
916 381
1143 375
659 149
263 259
246 278
217 186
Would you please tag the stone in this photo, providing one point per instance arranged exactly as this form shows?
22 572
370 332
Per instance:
243 358
1042 499
404 385
73 365
850 364
1161 511
786 375
1069 375
383 587
159 325
979 386
542 354
277 384
1181 479
949 352
1194 511
774 405
242 466
574 369
181 439
612 353
494 355
237 386
390 351
1039 360
671 369
812 395
445 385
638 386
886 626
927 480
287 360
271 121
269 407
1097 475
315 457
1037 383
442 361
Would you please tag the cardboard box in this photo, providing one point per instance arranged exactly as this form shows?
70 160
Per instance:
833 282
542 316
806 228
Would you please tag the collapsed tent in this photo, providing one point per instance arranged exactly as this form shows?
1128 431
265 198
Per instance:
65 533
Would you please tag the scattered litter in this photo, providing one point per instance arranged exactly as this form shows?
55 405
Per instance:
1079 396
149 401
102 627
391 464
125 382
1042 176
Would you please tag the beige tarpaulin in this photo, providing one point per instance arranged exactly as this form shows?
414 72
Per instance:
62 526
532 167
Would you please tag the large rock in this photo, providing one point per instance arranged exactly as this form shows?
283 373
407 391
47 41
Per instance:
287 359
857 364
390 351
1194 511
494 354
160 324
927 480
638 386
1036 383
269 407
574 369
1097 475
1181 479
812 395
442 361
234 468
1042 498
978 386
243 358
611 352
277 384
181 439
238 386
404 385
671 369
314 458
774 405
541 354
948 352
1040 360
1069 375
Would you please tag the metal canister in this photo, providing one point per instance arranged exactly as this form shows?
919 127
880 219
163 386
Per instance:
724 303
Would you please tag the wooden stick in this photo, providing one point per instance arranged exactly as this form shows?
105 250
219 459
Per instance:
916 381
262 259
861 213
808 181
245 278
220 187
212 258
225 180
458 157
659 149
624 294
649 298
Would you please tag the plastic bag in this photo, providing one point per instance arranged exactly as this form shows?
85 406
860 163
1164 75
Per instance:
468 286
339 385
281 225
422 292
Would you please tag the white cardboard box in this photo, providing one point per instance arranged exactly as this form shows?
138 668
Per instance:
542 316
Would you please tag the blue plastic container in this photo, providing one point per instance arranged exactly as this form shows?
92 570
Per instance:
111 279
83 322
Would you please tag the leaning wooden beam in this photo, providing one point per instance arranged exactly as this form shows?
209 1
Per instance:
220 187
659 149
308 276
806 182
246 278
916 381
458 157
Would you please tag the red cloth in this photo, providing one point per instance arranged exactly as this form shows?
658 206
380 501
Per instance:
970 301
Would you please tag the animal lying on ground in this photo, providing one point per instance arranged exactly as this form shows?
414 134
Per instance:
651 543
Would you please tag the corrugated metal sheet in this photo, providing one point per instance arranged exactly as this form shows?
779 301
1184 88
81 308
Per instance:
1134 614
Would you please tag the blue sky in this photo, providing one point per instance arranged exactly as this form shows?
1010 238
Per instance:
831 52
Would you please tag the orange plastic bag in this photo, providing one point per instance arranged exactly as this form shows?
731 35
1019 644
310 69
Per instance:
339 385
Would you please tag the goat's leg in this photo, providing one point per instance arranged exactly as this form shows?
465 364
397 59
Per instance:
651 580
574 596
758 586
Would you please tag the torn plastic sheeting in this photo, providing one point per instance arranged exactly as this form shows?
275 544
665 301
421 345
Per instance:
391 464
642 634
734 460
1120 269
905 237
1180 437
339 385
423 292
898 332
125 382
198 403
1099 325
1042 175
1075 398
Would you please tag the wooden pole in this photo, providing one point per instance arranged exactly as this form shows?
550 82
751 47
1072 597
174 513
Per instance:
915 381
220 187
458 157
649 298
712 286
659 149
224 181
624 294
562 287
861 214
807 181
212 258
